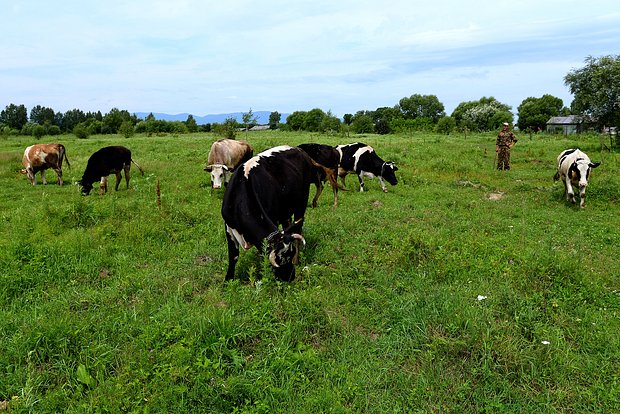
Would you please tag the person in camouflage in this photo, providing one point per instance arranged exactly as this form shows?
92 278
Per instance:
505 141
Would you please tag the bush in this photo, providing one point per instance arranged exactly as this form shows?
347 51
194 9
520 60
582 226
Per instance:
126 129
38 131
81 131
446 125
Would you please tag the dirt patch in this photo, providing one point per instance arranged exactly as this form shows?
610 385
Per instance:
202 260
495 196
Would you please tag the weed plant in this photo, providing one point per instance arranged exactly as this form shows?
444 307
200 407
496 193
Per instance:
462 290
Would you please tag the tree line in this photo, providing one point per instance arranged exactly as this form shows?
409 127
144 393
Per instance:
595 89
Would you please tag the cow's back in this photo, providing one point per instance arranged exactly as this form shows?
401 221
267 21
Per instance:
272 188
43 156
229 152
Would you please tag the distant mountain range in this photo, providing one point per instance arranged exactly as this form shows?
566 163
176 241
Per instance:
262 117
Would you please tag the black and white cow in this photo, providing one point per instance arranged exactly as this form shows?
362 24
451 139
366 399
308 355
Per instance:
362 160
266 199
574 169
106 161
329 158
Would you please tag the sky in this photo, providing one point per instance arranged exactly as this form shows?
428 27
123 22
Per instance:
213 57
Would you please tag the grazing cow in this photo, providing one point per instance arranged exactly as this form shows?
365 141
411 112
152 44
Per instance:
263 194
329 158
40 157
106 161
364 161
224 157
574 169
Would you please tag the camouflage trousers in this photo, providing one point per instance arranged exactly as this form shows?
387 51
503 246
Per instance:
503 158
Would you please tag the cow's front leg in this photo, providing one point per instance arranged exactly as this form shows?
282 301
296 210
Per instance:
43 177
582 196
360 176
383 186
103 185
233 256
570 195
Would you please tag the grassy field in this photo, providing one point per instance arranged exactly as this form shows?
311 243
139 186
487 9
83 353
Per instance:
461 290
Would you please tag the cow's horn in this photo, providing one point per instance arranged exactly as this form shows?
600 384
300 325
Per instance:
272 259
298 236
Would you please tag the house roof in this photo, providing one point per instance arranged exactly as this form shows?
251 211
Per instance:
564 120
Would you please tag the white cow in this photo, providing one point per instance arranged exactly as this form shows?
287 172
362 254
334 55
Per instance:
224 157
574 169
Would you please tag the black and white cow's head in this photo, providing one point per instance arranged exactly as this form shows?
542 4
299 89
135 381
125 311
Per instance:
219 174
579 171
283 252
388 170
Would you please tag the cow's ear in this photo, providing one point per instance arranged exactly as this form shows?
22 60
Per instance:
23 171
594 164
208 168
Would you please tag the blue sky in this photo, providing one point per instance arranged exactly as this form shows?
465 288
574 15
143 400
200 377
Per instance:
211 57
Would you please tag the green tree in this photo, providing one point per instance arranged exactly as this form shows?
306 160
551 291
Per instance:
42 115
295 121
422 106
274 120
313 120
112 120
71 118
362 123
383 117
596 89
330 124
249 119
482 115
15 116
347 118
228 129
534 113
191 124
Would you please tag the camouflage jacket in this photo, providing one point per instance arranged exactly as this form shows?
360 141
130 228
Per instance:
506 139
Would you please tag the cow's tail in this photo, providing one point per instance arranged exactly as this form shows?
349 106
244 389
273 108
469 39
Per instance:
63 156
329 173
140 168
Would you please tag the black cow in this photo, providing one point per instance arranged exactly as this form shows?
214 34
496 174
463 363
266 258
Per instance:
263 194
106 161
362 160
329 158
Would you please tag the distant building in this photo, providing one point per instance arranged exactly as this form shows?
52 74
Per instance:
567 125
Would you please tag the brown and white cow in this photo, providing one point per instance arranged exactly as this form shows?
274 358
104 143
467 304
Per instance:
40 157
224 157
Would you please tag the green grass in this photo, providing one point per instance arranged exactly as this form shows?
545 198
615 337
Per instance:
113 304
